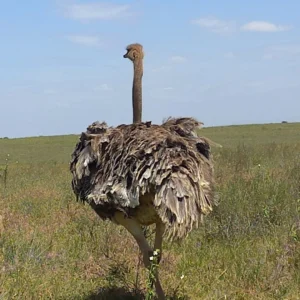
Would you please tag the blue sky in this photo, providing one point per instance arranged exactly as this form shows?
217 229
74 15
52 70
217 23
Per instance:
223 62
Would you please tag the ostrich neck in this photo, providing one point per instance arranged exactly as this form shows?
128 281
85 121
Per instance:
137 91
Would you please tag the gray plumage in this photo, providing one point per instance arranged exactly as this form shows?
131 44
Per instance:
167 168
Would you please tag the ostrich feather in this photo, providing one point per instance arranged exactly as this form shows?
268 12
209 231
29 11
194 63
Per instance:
116 168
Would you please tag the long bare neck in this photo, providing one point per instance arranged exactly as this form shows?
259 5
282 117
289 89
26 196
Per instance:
137 90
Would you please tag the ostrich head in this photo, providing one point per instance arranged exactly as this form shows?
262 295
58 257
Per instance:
134 52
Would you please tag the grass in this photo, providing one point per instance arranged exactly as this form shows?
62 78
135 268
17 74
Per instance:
52 247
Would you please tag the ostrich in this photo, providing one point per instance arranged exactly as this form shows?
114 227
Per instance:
142 174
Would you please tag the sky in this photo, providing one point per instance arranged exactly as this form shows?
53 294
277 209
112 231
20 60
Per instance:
222 62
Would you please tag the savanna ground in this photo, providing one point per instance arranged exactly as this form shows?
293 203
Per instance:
52 247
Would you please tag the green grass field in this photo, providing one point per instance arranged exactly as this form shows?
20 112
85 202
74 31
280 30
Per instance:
52 247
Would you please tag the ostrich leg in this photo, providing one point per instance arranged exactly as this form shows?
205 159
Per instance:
159 231
137 232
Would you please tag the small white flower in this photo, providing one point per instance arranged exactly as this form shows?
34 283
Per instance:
182 276
7 154
86 162
155 252
259 165
151 258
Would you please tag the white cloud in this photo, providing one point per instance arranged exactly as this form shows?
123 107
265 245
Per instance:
178 59
229 55
62 104
215 25
268 56
96 11
21 87
253 84
262 26
103 87
288 49
161 69
86 40
50 92
282 51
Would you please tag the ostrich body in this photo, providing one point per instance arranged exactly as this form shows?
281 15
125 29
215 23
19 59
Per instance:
142 174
